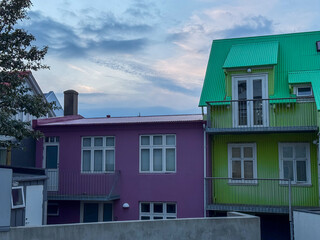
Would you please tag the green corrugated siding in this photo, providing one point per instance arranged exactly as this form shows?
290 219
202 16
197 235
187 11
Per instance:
267 167
256 54
297 52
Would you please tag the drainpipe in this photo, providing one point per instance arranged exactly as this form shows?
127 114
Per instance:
205 170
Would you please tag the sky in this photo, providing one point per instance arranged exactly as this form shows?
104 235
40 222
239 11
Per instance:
139 57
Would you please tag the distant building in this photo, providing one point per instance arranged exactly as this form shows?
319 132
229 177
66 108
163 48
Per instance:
51 97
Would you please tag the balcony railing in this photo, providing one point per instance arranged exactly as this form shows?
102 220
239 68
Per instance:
81 186
257 195
277 114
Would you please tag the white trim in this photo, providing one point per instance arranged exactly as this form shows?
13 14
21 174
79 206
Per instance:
242 159
102 148
22 195
163 148
249 78
294 159
152 215
296 89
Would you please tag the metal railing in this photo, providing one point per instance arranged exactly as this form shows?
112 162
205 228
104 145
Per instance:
300 112
67 184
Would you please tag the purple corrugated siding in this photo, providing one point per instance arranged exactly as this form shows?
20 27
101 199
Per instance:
185 187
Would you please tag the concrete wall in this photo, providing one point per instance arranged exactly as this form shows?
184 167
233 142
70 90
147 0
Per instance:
184 187
306 224
231 228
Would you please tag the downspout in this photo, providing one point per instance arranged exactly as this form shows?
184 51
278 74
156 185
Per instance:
205 170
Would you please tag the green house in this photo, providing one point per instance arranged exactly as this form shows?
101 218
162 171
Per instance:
262 99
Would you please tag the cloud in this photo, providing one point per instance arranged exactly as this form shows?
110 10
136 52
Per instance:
75 42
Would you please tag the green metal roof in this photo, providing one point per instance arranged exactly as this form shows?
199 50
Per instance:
254 54
296 52
312 77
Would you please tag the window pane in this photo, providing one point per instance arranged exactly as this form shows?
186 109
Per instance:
171 208
248 152
304 91
109 160
171 217
287 152
3 156
145 218
301 171
158 208
110 141
145 207
242 105
301 151
53 209
157 140
157 217
57 139
145 159
86 142
248 169
171 140
236 152
17 198
145 140
98 160
170 159
98 142
52 157
86 161
52 139
288 170
236 169
157 160
257 105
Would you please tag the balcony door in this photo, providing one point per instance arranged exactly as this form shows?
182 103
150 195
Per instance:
51 162
249 109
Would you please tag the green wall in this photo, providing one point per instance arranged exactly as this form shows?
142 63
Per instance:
267 192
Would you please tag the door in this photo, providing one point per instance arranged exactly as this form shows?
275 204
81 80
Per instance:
249 109
34 205
96 212
51 163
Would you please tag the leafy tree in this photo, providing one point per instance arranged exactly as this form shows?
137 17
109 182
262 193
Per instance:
17 58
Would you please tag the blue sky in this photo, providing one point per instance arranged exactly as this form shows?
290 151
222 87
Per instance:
135 57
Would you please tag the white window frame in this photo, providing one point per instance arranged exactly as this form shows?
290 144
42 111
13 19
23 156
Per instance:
249 80
242 159
294 159
151 147
152 214
100 210
103 148
296 91
23 200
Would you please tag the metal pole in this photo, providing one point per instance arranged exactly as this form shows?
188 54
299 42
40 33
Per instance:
290 213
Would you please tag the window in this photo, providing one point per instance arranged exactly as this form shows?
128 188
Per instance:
294 160
96 212
157 210
53 209
98 154
17 197
3 156
250 109
158 153
242 161
303 90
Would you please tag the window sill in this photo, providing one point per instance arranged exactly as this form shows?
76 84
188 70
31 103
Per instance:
97 172
242 182
297 184
154 173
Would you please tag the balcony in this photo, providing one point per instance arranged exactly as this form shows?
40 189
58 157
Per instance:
262 115
67 185
258 195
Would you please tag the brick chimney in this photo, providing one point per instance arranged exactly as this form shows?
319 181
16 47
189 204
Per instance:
70 102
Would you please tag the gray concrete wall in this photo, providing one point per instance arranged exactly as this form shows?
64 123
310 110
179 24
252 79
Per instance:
306 224
240 227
